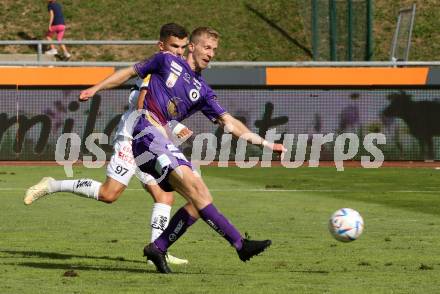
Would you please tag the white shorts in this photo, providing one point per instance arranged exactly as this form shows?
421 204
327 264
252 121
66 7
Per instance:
122 166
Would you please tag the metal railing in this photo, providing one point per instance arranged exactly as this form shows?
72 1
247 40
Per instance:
40 43
236 63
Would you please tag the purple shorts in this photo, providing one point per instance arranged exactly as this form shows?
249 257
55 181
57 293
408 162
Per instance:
155 154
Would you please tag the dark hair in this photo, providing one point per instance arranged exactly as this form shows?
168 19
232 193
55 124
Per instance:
200 31
172 30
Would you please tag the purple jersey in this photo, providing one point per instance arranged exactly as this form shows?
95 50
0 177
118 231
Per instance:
175 91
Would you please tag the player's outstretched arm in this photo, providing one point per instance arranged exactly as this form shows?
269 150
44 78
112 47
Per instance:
238 129
116 79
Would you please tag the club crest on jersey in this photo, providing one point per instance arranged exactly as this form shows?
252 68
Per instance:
172 107
194 95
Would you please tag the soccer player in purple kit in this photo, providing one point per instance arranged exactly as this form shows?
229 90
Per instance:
176 91
177 85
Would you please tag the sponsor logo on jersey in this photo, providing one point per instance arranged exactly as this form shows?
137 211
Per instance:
197 84
194 95
187 78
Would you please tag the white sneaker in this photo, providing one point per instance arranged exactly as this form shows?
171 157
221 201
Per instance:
51 52
37 191
67 55
173 260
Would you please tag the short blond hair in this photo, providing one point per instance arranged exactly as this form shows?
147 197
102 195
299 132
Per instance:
200 31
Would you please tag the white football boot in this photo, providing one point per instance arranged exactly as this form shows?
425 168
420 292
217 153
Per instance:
175 260
172 260
37 191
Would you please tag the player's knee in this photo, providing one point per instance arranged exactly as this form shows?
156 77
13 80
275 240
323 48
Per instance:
108 195
166 198
199 191
159 195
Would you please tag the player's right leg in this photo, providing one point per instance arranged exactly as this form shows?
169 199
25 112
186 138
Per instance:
120 170
87 188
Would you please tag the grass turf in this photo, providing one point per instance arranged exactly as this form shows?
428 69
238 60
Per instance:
69 244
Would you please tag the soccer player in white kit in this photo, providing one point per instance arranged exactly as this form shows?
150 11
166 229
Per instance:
122 167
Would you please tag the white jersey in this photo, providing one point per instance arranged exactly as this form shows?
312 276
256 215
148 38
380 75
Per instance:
122 165
130 117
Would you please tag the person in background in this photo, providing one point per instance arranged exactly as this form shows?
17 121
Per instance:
56 26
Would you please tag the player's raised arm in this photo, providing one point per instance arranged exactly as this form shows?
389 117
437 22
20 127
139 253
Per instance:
238 129
114 80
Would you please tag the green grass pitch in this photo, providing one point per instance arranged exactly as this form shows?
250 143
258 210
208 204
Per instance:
101 245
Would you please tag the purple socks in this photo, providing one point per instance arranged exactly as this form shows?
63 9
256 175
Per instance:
178 225
182 220
221 225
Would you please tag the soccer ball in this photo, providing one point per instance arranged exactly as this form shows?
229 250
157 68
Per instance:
346 225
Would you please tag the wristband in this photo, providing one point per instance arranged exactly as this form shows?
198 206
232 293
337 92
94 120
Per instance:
178 128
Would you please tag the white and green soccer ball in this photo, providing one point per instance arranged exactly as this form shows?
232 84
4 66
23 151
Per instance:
346 225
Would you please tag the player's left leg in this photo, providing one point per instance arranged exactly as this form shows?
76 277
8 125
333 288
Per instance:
160 215
192 187
200 204
155 154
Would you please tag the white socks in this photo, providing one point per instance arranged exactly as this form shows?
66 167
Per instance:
89 188
83 187
160 217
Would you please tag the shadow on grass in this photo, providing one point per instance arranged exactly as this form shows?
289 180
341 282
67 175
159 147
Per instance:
285 34
68 266
25 36
54 255
311 272
73 267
